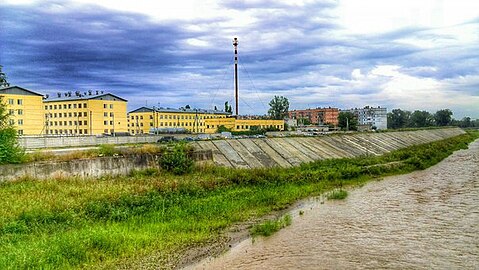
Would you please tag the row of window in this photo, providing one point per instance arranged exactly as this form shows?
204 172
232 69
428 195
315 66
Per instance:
67 131
133 132
67 123
19 122
12 112
168 124
11 101
59 115
65 106
186 117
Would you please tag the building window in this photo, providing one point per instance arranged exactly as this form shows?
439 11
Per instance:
20 122
104 107
84 114
12 122
11 112
69 106
151 124
20 102
141 117
55 115
85 131
74 106
69 114
79 107
111 114
20 132
111 106
105 114
10 101
46 107
111 123
105 122
54 107
85 123
69 123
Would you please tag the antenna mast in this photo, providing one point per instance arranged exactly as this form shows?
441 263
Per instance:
235 44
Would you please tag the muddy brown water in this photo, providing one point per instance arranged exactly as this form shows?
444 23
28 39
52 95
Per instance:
424 220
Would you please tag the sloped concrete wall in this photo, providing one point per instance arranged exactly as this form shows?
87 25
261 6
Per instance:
287 152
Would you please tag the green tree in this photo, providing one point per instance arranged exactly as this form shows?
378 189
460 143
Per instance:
465 122
187 107
3 79
443 117
279 106
347 121
222 129
10 151
421 119
304 121
228 107
398 118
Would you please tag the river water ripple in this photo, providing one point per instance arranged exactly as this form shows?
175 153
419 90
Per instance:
424 220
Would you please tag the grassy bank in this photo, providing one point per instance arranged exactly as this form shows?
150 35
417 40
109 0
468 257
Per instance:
104 222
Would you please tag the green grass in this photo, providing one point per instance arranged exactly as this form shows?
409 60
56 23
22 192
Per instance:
338 194
110 221
269 227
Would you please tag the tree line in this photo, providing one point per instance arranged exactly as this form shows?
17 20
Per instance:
398 118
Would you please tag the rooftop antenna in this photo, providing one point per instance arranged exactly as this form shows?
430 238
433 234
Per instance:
235 44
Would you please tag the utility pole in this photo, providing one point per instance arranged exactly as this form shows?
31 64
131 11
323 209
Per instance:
235 44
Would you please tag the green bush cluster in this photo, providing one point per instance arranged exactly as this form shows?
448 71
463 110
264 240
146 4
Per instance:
10 151
176 158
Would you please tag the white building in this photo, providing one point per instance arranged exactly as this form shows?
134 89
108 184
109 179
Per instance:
376 117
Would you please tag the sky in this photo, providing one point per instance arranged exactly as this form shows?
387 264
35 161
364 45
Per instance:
408 54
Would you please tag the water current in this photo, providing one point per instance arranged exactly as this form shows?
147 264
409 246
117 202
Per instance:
423 220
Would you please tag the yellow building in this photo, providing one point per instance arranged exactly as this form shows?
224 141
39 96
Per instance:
150 120
234 124
146 120
25 108
88 113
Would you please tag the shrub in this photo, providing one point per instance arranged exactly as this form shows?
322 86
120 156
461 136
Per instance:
107 150
177 159
340 194
10 151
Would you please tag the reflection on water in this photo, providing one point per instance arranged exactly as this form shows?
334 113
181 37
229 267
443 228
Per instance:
424 220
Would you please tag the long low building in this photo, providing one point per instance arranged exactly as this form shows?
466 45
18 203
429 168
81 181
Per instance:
146 120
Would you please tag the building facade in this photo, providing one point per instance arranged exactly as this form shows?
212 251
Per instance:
374 117
318 116
147 120
25 109
238 124
89 113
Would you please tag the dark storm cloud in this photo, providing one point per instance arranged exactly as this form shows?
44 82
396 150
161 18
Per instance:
291 50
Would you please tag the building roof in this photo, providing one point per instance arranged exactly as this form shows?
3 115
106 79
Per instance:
180 110
17 90
69 96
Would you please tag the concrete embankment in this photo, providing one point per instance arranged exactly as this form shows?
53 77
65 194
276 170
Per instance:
239 153
287 152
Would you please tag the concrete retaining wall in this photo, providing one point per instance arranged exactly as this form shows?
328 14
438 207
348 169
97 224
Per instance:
287 152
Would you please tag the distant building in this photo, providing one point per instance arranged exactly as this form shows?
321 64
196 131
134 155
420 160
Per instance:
374 117
145 120
25 109
88 113
318 116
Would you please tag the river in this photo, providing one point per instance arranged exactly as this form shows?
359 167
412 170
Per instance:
423 220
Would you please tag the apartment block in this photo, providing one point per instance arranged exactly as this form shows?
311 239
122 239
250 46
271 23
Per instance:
87 113
375 117
25 108
318 116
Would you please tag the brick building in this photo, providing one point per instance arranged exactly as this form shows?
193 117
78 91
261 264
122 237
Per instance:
318 116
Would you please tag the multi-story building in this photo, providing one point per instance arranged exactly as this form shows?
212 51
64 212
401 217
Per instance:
318 116
375 117
88 113
146 120
25 108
